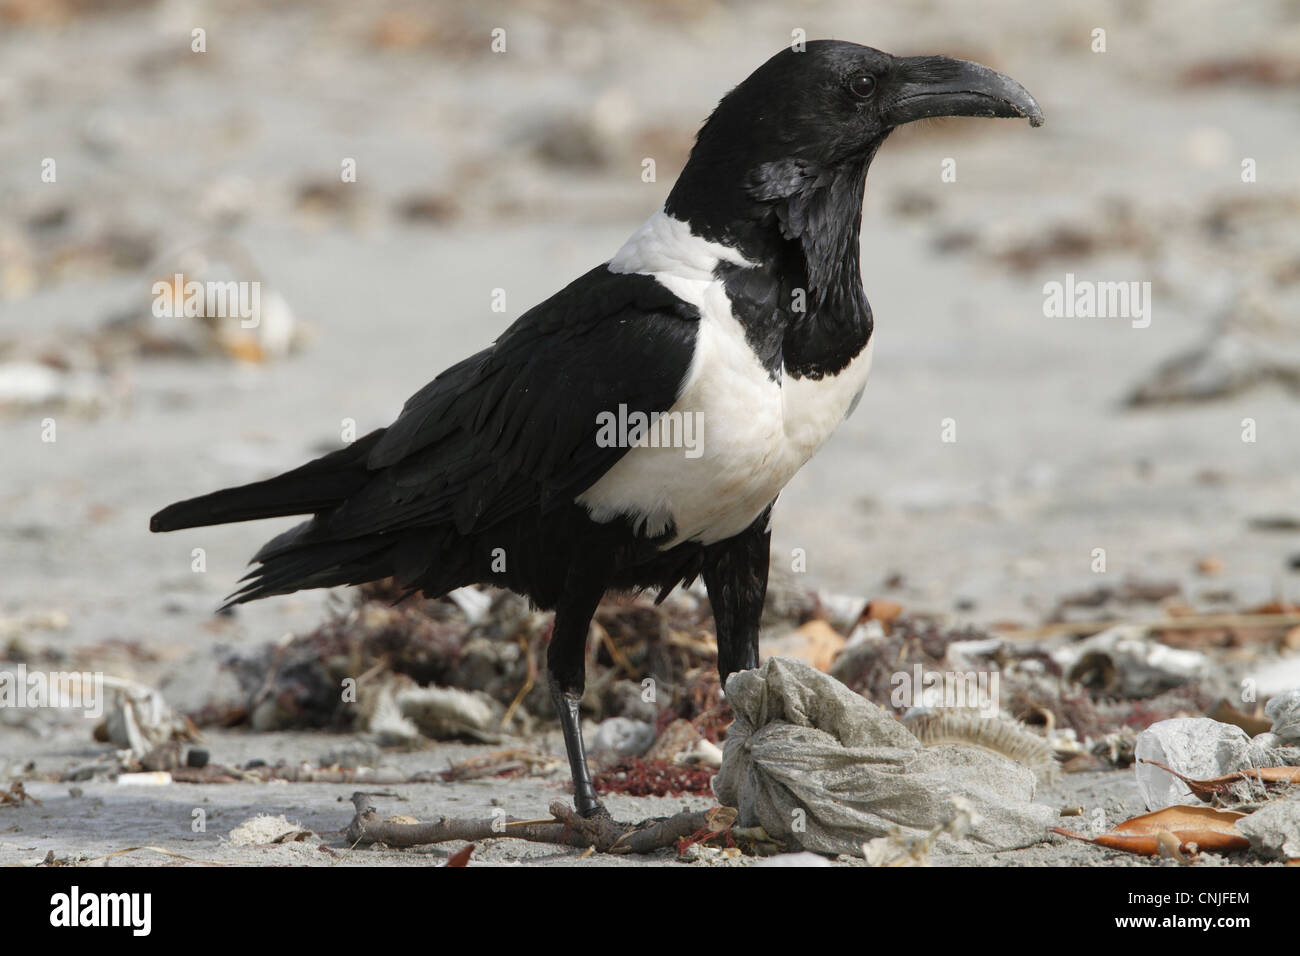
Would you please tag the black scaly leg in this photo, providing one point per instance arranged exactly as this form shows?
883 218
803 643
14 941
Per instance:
735 573
566 669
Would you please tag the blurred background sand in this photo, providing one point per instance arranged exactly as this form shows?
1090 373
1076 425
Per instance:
520 170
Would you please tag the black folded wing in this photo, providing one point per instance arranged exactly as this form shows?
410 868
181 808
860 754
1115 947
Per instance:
514 427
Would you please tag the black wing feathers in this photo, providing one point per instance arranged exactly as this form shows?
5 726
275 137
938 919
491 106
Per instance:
514 427
507 432
315 486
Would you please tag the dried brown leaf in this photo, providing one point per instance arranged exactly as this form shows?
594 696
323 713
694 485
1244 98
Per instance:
1195 828
1210 787
461 857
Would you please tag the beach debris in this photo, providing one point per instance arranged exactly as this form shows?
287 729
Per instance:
601 136
1196 747
704 753
1274 829
574 141
389 726
295 683
16 796
1132 590
479 640
266 830
1126 661
700 853
627 698
210 299
1255 69
446 713
1226 713
842 611
137 719
969 728
429 208
461 856
1284 711
259 772
717 823
1256 340
27 384
319 198
638 777
873 656
1230 784
622 737
903 848
1195 828
883 610
206 686
351 755
820 768
474 603
678 737
1115 748
967 655
503 763
145 778
12 628
1209 565
1169 847
565 828
1281 523
1117 226
814 642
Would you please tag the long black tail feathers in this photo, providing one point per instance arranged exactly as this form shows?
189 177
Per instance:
316 486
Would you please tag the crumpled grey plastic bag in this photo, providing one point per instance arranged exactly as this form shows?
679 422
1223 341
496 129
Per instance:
802 741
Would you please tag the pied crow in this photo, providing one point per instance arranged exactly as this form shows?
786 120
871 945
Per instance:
634 430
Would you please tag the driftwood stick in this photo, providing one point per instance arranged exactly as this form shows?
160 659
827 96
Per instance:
290 773
1190 622
566 829
609 836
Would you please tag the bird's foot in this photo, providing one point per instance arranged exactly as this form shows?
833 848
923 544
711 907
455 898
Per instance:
593 811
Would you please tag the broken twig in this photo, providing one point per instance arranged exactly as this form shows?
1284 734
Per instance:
565 829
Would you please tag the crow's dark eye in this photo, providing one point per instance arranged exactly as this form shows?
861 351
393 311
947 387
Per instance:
863 85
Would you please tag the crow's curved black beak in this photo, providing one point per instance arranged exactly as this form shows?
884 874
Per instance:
923 86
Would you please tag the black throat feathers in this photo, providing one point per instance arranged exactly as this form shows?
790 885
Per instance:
802 305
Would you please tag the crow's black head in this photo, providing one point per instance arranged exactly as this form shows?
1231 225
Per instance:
810 121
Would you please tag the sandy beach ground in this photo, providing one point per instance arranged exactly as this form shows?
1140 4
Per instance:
517 171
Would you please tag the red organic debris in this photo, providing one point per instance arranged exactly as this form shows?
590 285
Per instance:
653 778
718 824
15 795
461 857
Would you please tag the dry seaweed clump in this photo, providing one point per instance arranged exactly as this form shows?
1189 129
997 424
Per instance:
1072 694
871 662
472 664
304 682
